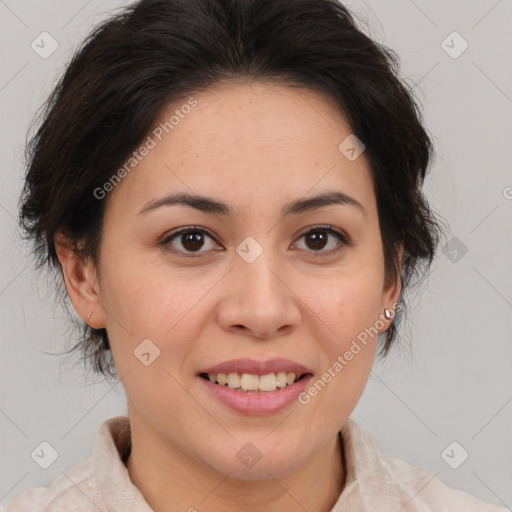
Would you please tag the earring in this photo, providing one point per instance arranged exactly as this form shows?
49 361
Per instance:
387 313
89 315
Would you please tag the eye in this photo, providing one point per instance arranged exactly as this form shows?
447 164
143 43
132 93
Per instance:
191 239
317 239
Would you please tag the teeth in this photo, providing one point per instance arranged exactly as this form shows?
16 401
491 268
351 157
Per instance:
234 380
281 380
268 382
250 382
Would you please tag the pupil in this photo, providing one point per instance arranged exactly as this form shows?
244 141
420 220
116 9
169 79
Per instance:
191 239
317 238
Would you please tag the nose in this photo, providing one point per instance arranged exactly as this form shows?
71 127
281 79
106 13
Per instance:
260 301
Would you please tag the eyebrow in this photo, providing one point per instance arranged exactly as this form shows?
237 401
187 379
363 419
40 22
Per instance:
210 205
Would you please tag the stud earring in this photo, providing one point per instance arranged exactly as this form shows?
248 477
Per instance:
387 313
89 315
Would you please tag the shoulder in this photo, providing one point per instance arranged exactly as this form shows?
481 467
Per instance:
380 481
429 492
75 489
99 483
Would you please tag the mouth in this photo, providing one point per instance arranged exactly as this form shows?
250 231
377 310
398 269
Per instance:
255 394
253 387
254 376
253 383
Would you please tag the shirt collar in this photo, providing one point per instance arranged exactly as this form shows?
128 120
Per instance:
113 445
362 458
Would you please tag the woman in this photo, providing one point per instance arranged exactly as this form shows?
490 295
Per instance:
231 191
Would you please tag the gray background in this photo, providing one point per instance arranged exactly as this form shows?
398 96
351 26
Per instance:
452 380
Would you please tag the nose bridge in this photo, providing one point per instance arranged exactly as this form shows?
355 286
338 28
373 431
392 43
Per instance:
258 298
258 264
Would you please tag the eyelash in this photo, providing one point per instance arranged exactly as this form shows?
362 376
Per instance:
196 229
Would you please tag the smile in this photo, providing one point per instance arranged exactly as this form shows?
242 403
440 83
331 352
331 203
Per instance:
252 383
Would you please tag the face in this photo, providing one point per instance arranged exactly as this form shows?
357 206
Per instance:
246 280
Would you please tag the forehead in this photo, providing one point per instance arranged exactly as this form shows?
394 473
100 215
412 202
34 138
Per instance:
260 115
249 142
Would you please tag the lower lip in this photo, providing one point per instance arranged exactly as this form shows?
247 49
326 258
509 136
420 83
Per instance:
257 403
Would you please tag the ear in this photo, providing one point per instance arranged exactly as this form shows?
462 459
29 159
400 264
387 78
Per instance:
391 291
80 277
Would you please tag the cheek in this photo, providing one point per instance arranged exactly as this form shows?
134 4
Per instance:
349 304
149 301
349 345
143 304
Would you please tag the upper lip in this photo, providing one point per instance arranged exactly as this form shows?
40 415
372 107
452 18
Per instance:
257 367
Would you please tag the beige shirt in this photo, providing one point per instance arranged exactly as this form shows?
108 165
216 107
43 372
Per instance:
375 481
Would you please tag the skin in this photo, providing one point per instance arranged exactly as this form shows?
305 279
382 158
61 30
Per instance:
254 146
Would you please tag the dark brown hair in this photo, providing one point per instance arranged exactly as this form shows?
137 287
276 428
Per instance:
157 51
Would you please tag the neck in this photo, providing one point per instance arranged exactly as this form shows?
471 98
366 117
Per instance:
169 479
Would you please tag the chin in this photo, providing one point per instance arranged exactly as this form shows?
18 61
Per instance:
246 460
263 469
